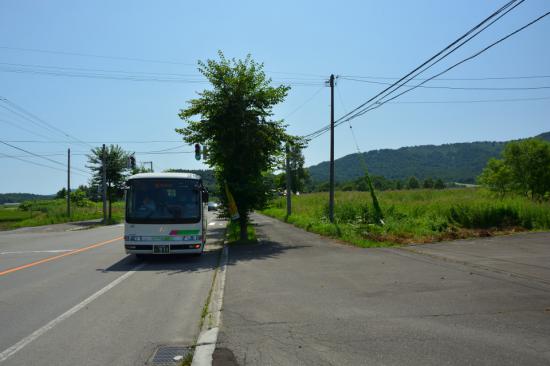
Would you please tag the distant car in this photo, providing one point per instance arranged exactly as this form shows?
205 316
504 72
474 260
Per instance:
213 206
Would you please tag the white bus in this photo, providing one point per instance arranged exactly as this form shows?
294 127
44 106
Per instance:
165 213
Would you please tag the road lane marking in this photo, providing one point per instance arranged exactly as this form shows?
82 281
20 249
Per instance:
37 333
75 251
38 251
212 223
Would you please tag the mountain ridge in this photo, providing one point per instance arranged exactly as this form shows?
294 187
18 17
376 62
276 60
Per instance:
454 162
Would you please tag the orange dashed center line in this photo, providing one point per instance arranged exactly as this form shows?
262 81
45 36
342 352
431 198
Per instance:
49 259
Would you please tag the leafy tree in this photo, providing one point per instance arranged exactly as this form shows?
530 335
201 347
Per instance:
529 164
398 184
243 143
413 183
439 184
497 176
428 183
62 193
299 174
116 171
79 198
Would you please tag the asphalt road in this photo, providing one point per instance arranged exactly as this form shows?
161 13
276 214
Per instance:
96 305
300 299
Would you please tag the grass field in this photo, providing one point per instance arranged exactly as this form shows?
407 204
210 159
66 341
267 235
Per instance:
414 216
46 212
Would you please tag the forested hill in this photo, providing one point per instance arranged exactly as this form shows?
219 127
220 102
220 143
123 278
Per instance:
461 162
20 197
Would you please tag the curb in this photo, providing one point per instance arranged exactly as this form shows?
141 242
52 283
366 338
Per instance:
208 336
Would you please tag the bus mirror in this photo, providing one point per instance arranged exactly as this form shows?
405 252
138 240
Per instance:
204 196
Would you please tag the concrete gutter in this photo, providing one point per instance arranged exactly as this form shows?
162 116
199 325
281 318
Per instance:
206 342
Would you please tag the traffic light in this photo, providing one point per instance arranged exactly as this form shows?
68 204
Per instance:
205 152
197 152
132 162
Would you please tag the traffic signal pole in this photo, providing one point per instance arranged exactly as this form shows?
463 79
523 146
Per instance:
331 182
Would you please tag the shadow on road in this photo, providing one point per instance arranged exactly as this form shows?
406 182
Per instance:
264 249
182 263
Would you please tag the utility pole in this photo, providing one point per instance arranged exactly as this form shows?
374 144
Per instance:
331 188
288 183
68 182
104 183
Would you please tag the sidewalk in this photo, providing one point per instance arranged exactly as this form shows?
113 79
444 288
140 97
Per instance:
299 299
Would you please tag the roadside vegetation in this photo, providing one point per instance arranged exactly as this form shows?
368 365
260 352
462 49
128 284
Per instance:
46 212
414 216
233 234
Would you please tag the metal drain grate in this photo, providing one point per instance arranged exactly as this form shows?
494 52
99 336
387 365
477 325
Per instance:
164 356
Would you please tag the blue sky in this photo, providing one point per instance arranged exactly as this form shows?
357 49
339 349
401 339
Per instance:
300 42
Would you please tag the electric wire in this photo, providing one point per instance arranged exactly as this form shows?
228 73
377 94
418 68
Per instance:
366 107
32 117
452 87
41 157
452 47
304 103
454 79
381 102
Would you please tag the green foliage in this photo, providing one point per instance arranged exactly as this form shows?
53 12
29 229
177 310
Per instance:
413 183
496 176
524 168
439 184
235 124
461 162
233 234
62 193
299 175
46 212
428 183
421 215
20 197
79 199
116 171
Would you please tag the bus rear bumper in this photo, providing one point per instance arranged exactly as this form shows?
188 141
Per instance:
165 249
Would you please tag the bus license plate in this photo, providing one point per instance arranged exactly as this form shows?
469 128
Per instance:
161 249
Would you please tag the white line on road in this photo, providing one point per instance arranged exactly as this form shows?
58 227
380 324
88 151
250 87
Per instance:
212 223
38 251
37 333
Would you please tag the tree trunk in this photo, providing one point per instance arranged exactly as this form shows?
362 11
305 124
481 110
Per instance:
243 225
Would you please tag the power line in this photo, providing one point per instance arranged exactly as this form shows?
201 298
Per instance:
23 128
38 164
97 142
370 105
381 102
97 56
31 162
32 117
454 79
472 101
304 103
126 58
453 87
452 47
39 156
122 75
